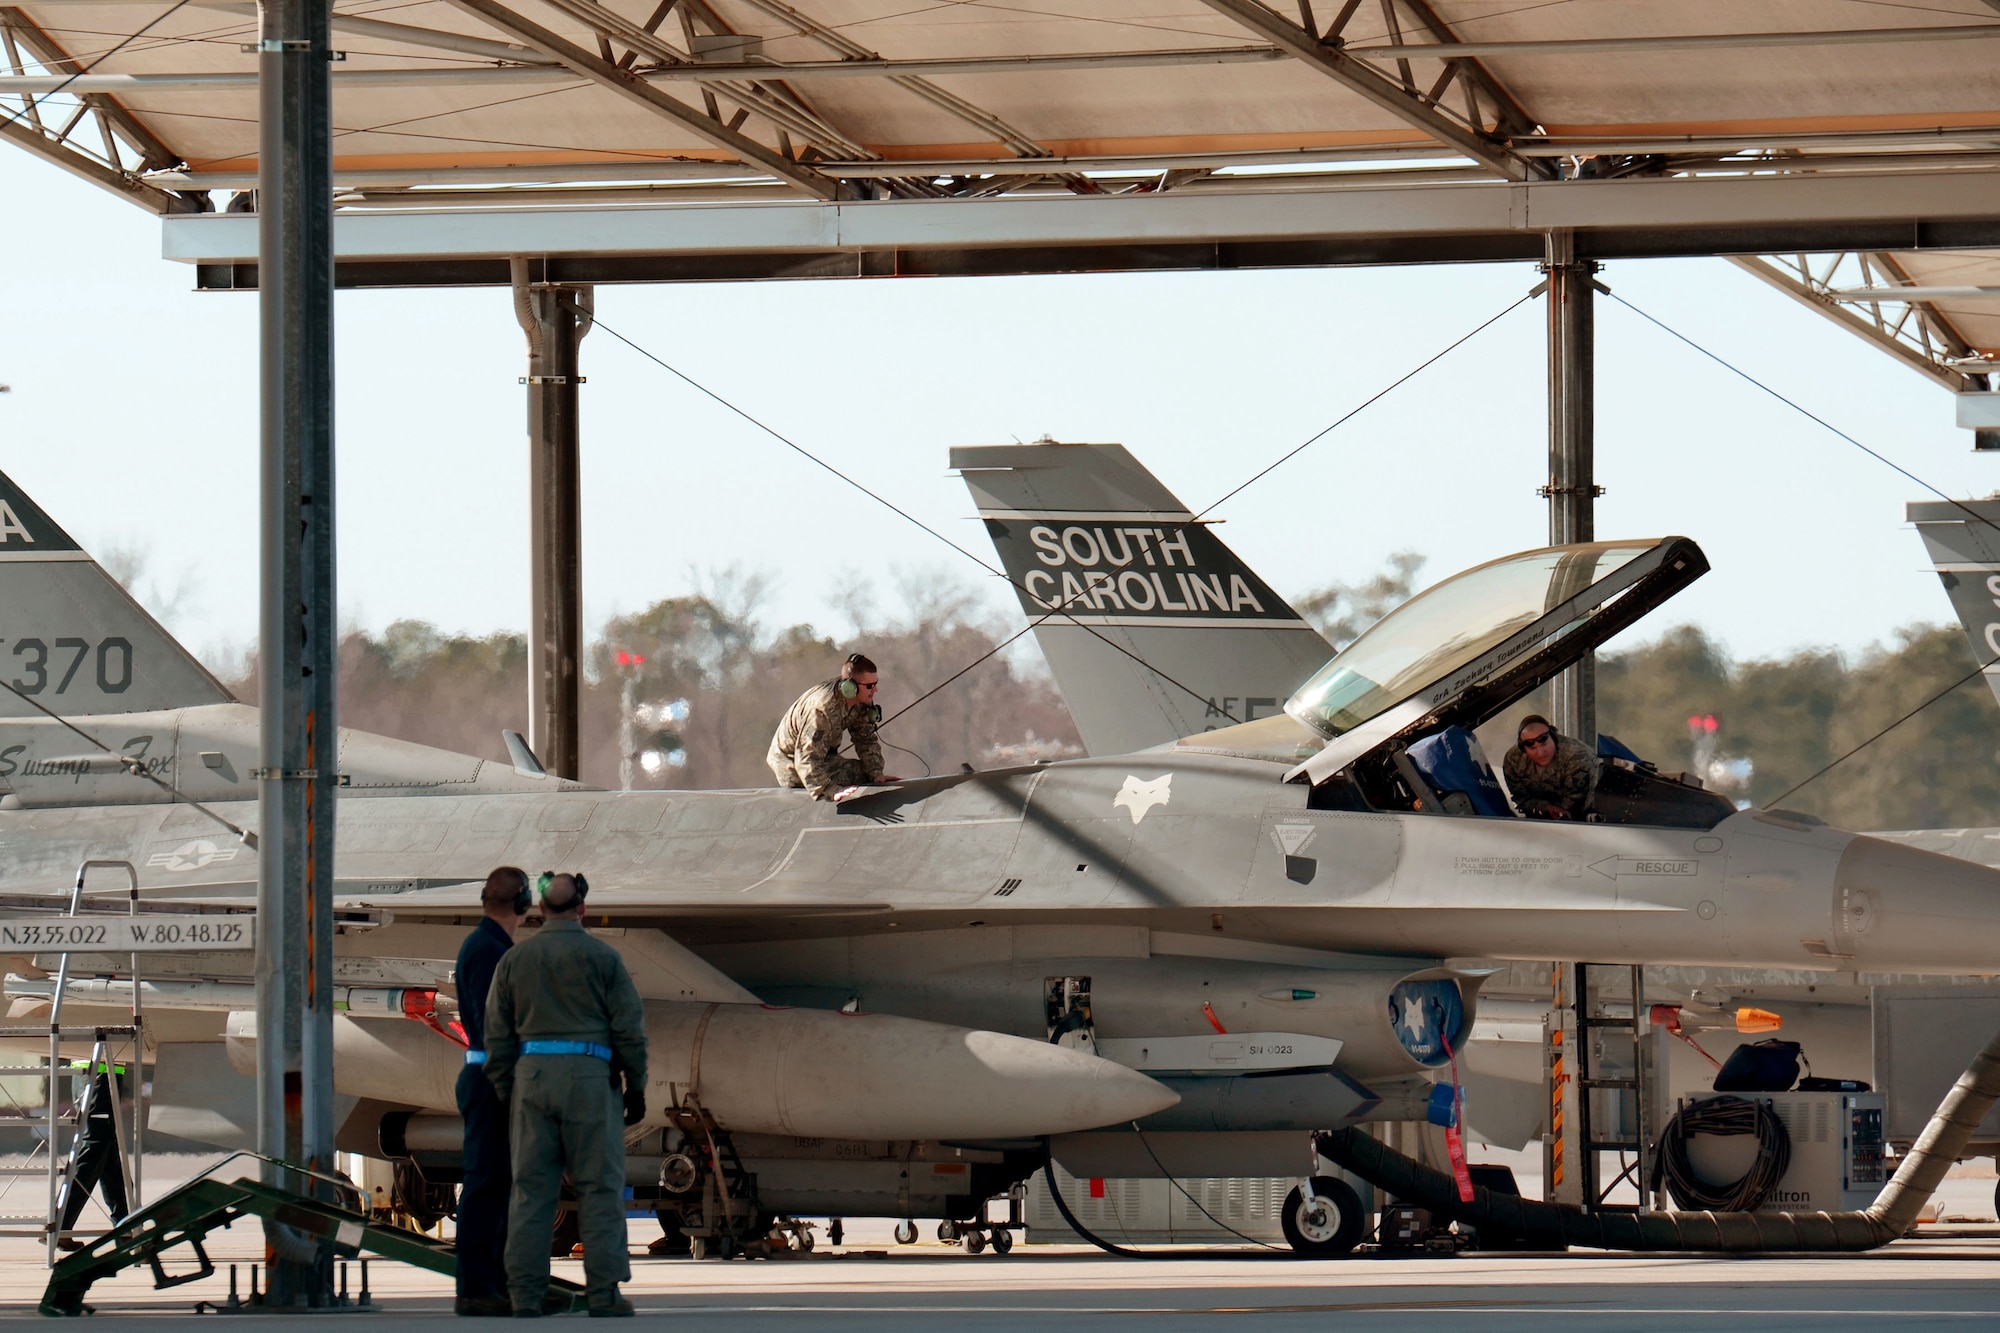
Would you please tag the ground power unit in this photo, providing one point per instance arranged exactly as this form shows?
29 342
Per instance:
1836 1150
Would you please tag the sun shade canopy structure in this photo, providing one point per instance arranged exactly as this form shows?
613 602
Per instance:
671 139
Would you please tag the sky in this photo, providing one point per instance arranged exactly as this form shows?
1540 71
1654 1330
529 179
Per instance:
133 420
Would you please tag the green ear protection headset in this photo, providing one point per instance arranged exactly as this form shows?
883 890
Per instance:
548 877
846 686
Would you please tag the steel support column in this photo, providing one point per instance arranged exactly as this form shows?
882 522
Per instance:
555 318
1572 488
299 746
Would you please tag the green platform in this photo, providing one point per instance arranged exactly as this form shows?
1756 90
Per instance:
187 1215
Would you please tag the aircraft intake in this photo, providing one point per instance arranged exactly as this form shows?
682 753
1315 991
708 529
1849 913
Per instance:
817 1073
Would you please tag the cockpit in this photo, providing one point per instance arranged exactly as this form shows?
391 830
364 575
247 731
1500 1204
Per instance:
1388 724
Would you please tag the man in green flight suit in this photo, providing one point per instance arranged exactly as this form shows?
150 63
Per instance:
562 1019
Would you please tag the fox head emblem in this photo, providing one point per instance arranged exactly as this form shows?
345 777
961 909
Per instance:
1138 797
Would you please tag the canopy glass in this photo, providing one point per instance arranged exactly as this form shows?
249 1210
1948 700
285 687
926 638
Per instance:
1455 624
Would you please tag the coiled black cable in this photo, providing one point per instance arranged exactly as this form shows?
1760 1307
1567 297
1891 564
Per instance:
1724 1117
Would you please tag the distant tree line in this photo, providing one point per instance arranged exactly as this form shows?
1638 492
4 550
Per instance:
711 680
1793 716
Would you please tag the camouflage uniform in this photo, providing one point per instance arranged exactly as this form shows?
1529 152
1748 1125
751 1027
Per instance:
567 1115
1569 780
806 750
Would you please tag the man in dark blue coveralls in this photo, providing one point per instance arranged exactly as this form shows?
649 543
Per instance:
489 1177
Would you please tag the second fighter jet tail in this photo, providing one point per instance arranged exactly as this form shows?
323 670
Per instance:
72 639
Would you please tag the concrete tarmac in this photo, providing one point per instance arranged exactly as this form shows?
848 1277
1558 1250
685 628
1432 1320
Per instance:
1942 1280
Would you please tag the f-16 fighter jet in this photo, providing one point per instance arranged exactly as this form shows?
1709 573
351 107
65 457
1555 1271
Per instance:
1176 959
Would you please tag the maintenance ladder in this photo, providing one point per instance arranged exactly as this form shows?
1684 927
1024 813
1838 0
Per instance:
186 1215
111 1047
1593 1016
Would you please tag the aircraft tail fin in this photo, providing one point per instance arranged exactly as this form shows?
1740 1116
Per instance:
1143 596
71 638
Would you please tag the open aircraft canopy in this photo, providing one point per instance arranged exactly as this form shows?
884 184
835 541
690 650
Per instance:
1467 647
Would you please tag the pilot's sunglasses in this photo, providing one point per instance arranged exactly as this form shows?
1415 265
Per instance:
1531 744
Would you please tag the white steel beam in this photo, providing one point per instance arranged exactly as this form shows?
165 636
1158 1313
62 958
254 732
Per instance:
1382 212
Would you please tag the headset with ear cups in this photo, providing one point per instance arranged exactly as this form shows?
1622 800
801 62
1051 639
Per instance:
547 878
524 898
845 685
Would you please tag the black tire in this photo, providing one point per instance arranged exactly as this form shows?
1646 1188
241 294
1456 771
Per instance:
1330 1228
836 1231
906 1232
426 1202
1003 1241
948 1232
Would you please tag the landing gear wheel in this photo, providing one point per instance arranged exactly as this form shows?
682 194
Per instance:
835 1232
906 1232
948 1231
424 1202
697 1247
1003 1241
974 1242
1329 1226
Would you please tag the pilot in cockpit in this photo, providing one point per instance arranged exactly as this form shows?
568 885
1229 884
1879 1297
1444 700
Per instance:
1550 776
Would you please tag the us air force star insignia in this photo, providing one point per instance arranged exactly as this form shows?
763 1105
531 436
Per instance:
192 856
1139 797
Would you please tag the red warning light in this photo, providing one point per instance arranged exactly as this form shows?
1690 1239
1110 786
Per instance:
1708 723
1694 724
625 659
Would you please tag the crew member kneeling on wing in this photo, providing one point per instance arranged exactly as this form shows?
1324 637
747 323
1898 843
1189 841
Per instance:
806 750
563 1019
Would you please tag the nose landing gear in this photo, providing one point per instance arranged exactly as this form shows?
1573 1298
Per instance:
1324 1223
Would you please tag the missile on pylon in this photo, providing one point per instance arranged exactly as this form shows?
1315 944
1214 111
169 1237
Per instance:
804 1072
819 1074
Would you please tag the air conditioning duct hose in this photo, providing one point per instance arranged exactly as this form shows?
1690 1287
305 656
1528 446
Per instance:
1891 1216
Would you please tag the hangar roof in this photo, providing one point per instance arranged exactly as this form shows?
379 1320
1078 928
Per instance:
569 107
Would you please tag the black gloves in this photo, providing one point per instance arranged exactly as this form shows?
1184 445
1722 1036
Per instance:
635 1102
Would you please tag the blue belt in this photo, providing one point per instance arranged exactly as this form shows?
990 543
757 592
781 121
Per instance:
475 1057
591 1048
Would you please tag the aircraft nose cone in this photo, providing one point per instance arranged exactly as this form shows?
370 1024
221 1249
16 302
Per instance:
1900 909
